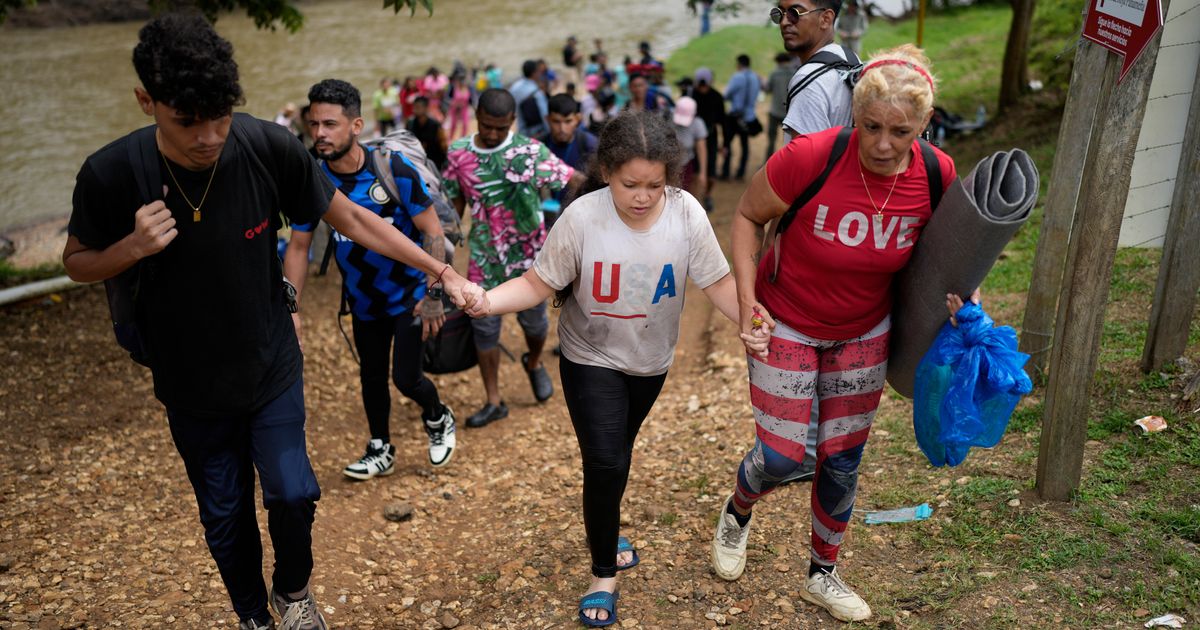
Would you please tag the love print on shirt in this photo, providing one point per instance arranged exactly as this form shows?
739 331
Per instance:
854 228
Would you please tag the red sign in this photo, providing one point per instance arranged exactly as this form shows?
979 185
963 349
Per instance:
1124 27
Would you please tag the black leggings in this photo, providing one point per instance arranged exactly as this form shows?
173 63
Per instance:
607 408
373 339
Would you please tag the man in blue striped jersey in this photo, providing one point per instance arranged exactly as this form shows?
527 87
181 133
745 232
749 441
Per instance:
386 298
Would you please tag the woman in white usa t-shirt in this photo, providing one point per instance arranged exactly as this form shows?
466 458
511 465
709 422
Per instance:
619 259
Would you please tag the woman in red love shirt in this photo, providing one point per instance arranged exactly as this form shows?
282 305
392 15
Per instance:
828 307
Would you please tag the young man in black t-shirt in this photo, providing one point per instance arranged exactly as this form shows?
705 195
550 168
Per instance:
429 133
211 306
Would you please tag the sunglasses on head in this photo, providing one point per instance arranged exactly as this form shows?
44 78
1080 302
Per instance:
793 14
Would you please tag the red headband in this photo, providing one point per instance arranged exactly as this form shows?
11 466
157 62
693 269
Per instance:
900 62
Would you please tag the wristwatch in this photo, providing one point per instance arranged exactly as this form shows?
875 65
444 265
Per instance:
434 292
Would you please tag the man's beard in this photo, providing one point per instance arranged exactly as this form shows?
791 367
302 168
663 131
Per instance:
336 154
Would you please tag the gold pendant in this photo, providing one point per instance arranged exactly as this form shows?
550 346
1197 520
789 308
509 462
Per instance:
195 216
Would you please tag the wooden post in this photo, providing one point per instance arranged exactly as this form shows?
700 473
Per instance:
920 23
1086 279
1179 271
1059 211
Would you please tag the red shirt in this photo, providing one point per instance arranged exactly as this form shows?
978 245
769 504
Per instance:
839 254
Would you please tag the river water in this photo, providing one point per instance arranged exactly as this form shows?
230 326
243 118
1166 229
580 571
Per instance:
70 90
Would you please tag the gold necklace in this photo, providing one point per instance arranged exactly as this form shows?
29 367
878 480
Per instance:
195 207
878 209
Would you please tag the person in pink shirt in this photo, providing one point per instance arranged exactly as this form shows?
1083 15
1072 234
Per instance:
433 87
460 107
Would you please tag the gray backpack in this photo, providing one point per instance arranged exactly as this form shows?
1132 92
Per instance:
403 141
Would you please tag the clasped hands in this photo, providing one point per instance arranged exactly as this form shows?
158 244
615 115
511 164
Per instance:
468 296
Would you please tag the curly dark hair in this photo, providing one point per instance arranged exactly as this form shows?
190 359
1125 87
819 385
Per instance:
629 136
337 92
183 63
632 135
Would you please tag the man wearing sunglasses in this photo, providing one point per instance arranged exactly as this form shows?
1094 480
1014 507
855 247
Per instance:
818 98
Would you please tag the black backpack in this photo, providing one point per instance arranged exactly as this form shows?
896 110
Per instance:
829 61
774 232
531 114
124 288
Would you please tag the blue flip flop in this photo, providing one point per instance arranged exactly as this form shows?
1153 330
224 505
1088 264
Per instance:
604 601
624 545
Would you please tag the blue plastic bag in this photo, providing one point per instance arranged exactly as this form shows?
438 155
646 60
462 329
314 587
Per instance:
967 386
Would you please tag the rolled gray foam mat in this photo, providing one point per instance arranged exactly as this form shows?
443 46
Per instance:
976 218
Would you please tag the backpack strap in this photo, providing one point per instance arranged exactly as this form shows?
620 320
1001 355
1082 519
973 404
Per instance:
328 255
249 132
777 227
933 171
828 61
144 160
381 159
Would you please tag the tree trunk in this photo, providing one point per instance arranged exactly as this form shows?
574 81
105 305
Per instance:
1014 78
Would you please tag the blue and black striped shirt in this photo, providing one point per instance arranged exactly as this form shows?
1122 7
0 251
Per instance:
377 286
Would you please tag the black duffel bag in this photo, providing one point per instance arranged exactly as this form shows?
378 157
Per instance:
453 348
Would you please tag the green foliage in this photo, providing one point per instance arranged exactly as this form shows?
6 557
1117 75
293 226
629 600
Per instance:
265 13
12 276
7 6
966 48
1056 25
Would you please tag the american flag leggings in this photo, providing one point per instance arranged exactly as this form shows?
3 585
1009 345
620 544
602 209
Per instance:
846 378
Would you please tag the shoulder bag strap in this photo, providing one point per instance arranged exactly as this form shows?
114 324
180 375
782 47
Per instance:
933 171
777 226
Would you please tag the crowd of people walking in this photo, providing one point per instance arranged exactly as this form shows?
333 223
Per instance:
621 167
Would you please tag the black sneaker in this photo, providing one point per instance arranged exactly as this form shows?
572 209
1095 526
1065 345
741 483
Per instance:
488 414
539 380
805 472
250 624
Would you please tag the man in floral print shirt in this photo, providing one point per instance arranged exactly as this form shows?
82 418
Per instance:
500 173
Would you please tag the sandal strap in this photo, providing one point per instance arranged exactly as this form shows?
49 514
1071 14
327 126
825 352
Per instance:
602 600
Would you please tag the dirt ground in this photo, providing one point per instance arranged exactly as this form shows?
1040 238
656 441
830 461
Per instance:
98 526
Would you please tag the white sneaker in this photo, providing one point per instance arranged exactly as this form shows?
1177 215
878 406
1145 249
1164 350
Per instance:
729 545
377 462
441 438
828 591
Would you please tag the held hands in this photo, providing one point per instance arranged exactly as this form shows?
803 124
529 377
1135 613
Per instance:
954 302
468 296
153 229
757 324
480 306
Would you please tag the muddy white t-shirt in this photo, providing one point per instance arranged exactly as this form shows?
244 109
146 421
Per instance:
627 285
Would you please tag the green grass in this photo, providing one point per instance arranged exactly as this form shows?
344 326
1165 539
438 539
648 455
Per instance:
487 578
965 47
12 276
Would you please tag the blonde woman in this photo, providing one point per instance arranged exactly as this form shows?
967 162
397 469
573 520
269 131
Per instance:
826 295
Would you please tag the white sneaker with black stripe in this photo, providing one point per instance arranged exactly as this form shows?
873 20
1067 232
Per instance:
441 438
377 462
